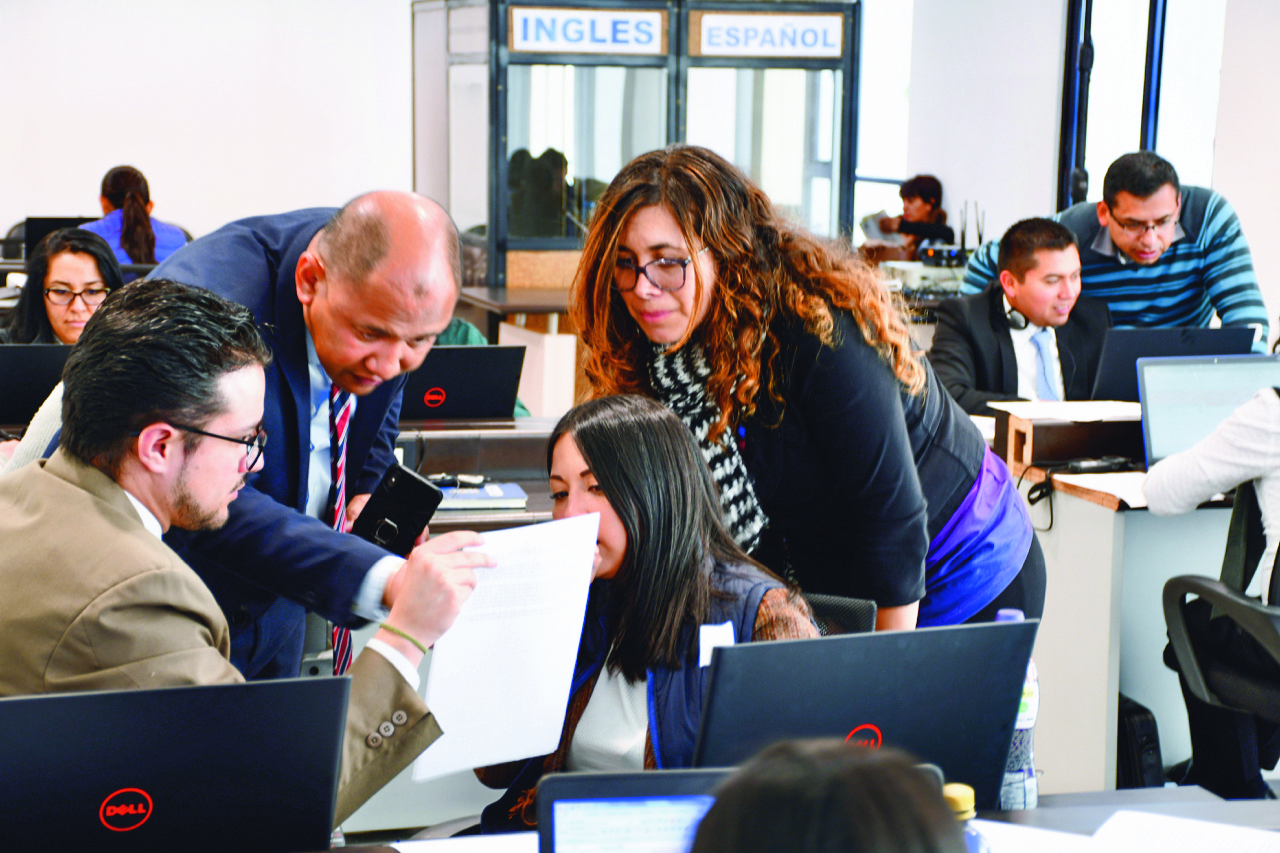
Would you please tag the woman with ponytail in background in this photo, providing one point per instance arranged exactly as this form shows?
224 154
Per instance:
126 223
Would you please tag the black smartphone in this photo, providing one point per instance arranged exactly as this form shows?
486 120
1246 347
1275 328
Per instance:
398 510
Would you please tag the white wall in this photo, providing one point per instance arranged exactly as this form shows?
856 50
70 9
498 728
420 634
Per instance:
1245 168
230 108
986 105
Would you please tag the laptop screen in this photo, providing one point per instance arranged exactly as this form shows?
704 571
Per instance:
1184 399
636 824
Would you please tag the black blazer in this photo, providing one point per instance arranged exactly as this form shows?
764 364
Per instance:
973 351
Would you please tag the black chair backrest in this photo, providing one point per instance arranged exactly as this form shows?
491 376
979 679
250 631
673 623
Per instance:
835 614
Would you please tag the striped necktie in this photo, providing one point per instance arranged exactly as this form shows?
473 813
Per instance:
340 405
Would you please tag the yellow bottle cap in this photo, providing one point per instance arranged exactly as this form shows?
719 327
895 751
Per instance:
960 798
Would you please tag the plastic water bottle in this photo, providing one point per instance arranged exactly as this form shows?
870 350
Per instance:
1020 790
960 798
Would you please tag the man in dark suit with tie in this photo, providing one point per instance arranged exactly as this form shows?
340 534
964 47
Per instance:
1029 335
349 301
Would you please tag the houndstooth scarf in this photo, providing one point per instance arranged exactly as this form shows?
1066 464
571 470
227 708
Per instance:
680 380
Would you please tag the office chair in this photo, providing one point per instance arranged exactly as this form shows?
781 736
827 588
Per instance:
1229 670
14 242
835 614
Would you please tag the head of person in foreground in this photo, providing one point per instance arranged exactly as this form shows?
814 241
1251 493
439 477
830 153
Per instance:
825 796
164 394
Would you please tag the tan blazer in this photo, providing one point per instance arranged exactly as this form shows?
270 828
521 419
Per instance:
90 600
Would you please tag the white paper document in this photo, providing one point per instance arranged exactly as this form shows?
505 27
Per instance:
499 679
1004 837
1076 411
1126 831
1126 485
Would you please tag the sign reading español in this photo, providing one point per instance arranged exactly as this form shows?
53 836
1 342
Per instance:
537 30
765 34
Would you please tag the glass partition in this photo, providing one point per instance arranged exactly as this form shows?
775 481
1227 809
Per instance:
779 125
570 128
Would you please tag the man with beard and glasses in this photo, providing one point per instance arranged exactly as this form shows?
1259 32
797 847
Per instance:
162 423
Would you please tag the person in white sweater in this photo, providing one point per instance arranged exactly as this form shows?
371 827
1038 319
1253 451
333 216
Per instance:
1229 748
1245 446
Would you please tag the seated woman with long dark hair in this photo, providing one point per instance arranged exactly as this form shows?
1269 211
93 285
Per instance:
69 274
666 567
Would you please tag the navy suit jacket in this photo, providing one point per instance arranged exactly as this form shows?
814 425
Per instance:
972 350
271 562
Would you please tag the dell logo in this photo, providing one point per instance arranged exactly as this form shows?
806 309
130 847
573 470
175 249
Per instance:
126 809
433 397
867 735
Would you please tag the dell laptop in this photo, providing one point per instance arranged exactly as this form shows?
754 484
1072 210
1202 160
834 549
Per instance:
1184 399
1117 377
464 383
948 696
653 811
244 767
28 372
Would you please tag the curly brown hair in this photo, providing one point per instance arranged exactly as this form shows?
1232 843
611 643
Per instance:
766 269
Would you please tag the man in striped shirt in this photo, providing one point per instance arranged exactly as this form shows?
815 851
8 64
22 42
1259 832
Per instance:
1159 254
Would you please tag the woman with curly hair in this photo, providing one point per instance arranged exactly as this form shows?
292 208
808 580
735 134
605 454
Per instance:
841 461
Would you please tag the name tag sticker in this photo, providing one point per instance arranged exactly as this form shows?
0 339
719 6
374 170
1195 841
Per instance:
711 636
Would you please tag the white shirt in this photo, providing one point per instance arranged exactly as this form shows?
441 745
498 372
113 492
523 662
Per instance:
393 656
1025 353
1246 446
368 603
614 727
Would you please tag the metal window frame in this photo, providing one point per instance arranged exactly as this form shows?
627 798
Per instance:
677 63
1075 89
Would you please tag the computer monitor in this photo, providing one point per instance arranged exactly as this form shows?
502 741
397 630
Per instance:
245 767
1117 377
1184 399
36 228
947 695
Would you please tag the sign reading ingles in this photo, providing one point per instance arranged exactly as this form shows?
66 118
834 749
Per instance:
535 30
765 34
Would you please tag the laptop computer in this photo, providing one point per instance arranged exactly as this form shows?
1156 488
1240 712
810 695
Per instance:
652 811
28 372
462 382
36 228
933 692
1117 377
1184 399
245 767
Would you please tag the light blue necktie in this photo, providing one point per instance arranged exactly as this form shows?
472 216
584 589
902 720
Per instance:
1044 385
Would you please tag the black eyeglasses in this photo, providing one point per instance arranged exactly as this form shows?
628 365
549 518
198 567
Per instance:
663 273
259 441
62 296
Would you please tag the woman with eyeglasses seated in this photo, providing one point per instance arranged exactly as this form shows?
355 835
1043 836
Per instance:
841 460
69 275
666 568
816 796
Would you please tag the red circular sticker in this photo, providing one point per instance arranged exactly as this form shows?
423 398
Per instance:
867 735
433 397
126 809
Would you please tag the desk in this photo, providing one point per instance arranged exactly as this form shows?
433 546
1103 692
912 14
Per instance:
498 302
1084 813
1103 628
